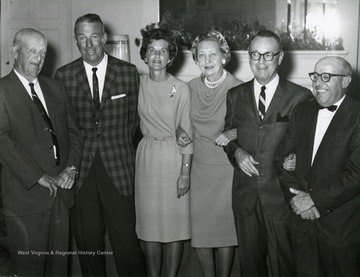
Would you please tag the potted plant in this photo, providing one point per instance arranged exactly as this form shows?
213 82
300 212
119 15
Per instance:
301 51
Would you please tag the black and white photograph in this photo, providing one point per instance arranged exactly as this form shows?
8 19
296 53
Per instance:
180 138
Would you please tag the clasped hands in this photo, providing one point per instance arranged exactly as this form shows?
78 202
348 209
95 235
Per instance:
303 205
65 180
183 139
246 162
225 137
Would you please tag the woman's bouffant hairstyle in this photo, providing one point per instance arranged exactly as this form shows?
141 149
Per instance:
157 34
212 36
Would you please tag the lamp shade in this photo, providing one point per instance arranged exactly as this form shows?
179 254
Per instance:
118 46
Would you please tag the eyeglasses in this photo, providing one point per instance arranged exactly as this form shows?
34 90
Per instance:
325 77
268 56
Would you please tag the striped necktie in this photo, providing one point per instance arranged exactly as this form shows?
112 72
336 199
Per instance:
47 120
262 103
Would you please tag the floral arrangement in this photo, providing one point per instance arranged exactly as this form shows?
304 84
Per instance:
239 34
176 26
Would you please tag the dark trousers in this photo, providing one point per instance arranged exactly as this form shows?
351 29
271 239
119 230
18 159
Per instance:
38 243
316 257
100 207
263 244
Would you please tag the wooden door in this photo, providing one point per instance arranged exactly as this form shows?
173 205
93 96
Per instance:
48 16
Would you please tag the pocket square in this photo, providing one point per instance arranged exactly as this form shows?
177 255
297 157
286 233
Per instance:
284 118
118 96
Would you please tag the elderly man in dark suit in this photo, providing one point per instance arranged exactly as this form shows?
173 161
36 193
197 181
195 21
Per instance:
260 110
40 149
324 190
104 94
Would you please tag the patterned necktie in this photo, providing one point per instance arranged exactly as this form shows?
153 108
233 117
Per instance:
96 96
262 102
47 120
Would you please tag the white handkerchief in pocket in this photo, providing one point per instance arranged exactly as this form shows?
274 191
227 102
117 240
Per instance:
114 97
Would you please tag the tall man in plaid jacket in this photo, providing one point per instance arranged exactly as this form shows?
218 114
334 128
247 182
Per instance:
105 103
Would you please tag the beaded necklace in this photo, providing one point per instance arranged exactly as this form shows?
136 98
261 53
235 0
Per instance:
217 82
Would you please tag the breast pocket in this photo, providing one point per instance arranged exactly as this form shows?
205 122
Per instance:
280 128
117 105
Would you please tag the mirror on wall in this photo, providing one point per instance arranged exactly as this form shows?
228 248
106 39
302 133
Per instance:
314 21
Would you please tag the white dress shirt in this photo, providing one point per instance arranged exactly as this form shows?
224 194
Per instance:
100 73
323 121
37 89
269 92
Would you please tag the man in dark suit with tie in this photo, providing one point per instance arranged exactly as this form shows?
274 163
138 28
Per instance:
324 189
104 94
40 149
260 110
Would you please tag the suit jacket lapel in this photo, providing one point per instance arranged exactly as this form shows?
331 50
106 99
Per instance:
250 97
277 99
309 121
83 80
109 79
51 106
23 94
335 123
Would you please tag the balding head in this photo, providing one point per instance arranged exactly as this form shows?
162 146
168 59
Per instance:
330 91
22 36
339 63
29 50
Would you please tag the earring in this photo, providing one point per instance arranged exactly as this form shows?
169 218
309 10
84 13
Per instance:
223 61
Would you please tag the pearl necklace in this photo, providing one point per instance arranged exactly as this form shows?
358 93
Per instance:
217 82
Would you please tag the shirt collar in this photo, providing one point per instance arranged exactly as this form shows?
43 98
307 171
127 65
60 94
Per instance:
24 81
272 85
101 66
338 103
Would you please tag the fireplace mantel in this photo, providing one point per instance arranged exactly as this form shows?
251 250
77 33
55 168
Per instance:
295 66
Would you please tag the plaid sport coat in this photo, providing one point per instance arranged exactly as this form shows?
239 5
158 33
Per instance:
112 134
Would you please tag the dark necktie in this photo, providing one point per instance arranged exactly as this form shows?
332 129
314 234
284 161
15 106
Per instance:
331 108
46 118
262 102
96 97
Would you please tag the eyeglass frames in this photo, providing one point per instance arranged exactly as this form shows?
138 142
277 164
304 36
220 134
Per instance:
325 77
268 56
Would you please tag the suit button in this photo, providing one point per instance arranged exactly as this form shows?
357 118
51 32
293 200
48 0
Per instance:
97 123
46 129
261 127
91 155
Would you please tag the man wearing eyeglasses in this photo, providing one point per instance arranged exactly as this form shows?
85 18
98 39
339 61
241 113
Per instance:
260 110
324 189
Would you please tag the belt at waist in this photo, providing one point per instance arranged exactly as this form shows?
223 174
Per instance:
158 138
